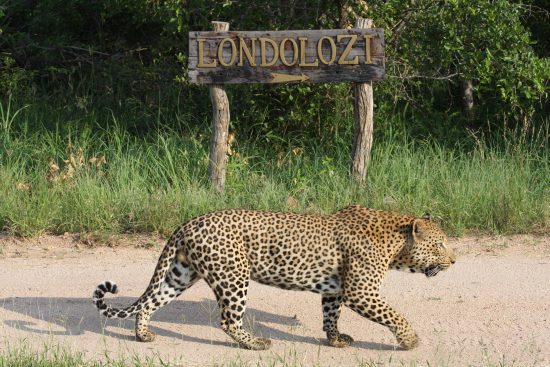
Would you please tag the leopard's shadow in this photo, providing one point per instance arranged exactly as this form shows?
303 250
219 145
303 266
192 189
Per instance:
74 316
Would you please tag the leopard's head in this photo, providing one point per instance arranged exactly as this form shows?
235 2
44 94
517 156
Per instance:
426 250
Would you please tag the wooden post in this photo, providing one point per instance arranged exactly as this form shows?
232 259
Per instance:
363 114
220 127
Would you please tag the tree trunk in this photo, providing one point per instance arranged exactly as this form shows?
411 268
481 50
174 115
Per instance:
468 98
343 18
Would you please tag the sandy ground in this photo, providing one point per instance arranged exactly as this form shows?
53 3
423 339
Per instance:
491 309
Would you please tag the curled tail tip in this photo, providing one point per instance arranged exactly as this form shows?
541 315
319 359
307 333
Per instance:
110 286
107 287
106 310
99 293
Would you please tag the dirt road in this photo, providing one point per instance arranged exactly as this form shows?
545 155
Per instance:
491 308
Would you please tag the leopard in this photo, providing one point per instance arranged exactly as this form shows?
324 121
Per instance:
343 256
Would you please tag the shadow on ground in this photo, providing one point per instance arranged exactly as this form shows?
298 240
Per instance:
74 316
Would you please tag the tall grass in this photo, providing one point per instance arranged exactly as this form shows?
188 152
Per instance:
154 181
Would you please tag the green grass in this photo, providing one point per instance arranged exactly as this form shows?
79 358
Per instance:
152 182
24 356
53 355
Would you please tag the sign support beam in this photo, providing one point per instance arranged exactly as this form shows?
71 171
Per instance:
220 127
363 111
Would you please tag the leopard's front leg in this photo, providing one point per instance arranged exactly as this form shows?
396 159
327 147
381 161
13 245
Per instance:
376 309
363 278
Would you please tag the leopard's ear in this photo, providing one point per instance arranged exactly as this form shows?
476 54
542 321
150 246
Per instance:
427 216
418 229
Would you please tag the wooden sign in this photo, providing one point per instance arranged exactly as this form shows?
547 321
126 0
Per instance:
339 55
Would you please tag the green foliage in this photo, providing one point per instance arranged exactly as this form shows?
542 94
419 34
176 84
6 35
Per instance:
464 40
133 53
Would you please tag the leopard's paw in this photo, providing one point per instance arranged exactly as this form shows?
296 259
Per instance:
146 337
408 341
340 341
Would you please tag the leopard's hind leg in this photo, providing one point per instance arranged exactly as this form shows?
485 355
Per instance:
179 278
332 305
231 293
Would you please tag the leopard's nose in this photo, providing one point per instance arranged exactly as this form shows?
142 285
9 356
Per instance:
452 256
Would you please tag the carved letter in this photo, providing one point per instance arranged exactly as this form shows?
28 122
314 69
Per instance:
201 64
263 52
303 45
368 37
352 39
233 52
332 50
251 56
294 50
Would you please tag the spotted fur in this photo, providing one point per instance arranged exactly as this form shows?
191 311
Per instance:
343 256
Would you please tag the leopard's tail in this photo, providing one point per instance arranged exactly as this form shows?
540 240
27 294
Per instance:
105 309
163 265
